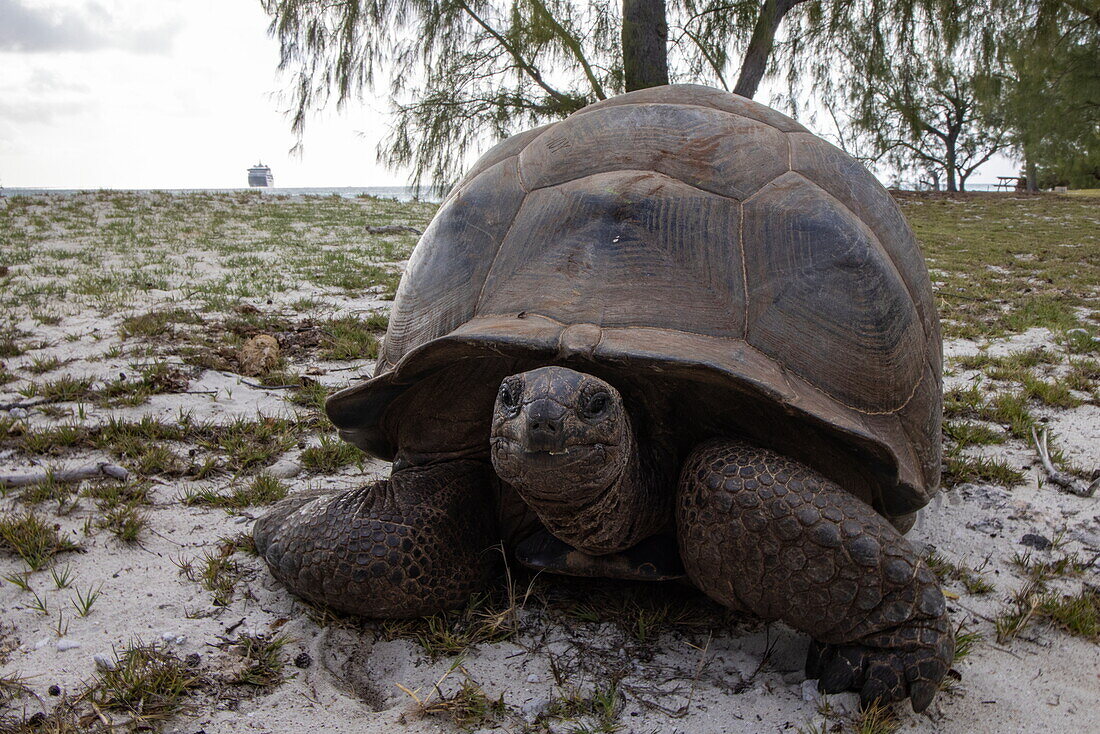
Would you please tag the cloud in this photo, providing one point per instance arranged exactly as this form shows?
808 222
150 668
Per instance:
41 96
43 112
42 29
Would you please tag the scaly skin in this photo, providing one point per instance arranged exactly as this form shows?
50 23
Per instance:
414 544
761 532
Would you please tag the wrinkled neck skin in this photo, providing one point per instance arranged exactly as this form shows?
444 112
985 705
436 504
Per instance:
592 483
627 509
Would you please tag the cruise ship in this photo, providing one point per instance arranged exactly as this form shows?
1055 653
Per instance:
260 175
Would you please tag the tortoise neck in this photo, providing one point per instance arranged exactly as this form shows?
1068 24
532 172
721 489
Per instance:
633 505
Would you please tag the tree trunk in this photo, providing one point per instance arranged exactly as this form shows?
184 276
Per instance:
760 45
950 157
1032 173
645 44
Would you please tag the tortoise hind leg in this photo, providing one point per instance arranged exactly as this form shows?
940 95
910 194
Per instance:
762 532
406 546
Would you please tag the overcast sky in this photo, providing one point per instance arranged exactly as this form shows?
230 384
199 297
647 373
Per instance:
161 94
169 94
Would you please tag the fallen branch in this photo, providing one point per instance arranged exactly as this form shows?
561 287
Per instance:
1063 480
23 404
102 469
393 229
269 387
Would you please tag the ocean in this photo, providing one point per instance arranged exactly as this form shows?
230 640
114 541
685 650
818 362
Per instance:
400 193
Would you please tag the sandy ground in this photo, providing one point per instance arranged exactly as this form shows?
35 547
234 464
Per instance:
745 677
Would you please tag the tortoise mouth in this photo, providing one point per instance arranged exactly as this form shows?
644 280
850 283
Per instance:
562 481
509 453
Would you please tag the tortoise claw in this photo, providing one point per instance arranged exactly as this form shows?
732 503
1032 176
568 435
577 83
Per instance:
879 675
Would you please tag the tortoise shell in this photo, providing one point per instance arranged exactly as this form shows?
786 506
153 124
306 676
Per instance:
690 233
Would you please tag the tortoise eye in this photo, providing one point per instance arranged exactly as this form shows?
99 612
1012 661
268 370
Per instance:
508 397
597 404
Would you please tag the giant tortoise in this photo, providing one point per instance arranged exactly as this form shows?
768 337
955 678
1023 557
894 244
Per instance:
674 334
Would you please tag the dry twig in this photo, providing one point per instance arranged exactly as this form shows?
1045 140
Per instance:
1063 480
102 469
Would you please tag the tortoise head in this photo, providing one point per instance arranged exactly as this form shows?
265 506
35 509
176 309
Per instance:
562 438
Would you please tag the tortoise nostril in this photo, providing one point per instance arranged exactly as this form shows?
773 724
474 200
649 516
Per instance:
546 426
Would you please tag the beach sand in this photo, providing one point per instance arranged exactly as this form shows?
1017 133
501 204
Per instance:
571 658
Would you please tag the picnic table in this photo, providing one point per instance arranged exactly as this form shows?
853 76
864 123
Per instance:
1006 183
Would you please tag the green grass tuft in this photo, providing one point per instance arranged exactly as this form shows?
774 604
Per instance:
33 539
148 684
350 337
331 454
264 489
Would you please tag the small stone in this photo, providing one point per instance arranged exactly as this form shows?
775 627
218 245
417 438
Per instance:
810 692
66 644
258 355
192 660
1036 541
303 660
534 678
36 719
54 690
534 707
285 469
42 643
845 703
990 526
103 662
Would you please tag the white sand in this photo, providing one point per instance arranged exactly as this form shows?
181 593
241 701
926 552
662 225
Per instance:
1045 680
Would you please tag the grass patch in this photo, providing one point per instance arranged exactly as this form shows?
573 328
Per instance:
217 572
148 684
109 495
42 365
971 578
62 390
467 708
600 707
1003 264
959 469
264 489
156 323
965 642
9 343
1055 394
486 618
262 657
1078 614
153 379
311 395
966 433
33 539
330 455
349 337
249 444
126 522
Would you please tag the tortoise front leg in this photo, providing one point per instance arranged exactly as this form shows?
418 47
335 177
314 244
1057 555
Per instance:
762 532
406 546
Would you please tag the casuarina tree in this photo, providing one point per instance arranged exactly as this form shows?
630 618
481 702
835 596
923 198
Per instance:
460 74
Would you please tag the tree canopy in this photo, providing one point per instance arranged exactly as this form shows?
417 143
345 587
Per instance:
1044 57
462 73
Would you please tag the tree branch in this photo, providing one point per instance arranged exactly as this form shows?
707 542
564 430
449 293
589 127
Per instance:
574 47
523 64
